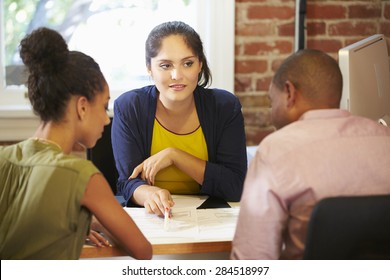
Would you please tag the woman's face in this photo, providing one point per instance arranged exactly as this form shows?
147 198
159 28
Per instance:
96 119
175 70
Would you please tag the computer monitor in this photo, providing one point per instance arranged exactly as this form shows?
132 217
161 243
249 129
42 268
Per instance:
366 79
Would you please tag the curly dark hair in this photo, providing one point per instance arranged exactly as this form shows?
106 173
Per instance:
56 74
192 39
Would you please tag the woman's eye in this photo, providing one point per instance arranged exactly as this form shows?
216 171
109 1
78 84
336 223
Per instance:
188 63
165 66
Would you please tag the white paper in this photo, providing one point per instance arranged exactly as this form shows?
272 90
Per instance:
187 224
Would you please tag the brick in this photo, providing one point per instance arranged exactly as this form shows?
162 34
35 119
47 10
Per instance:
237 49
251 101
242 84
257 117
326 45
287 29
268 47
386 12
263 84
365 11
351 28
270 12
324 11
250 66
255 29
315 28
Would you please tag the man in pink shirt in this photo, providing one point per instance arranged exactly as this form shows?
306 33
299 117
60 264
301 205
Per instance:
317 151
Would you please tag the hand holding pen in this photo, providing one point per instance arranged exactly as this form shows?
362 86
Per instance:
167 218
156 200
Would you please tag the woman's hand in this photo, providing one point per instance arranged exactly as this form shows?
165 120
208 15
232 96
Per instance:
152 165
158 201
97 239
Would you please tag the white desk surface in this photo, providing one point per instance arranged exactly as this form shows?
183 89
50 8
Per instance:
190 230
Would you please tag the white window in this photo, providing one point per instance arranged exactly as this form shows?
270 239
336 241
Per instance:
114 34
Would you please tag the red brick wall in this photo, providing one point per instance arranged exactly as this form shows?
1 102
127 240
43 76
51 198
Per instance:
265 36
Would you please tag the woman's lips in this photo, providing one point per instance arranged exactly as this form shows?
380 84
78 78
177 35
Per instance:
177 87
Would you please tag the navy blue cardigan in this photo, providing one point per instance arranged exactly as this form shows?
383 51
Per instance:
222 122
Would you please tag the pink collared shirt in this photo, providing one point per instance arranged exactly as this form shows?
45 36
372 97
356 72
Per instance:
326 153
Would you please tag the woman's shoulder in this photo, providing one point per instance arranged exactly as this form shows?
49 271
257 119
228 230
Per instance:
136 99
70 165
46 158
217 94
139 100
219 98
139 93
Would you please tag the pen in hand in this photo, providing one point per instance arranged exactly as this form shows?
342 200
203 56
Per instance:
167 217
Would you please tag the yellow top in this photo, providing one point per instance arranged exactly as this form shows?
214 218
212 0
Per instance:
171 178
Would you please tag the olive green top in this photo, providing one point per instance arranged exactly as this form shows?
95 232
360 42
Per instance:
40 193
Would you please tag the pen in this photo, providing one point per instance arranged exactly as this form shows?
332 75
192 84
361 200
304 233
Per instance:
167 217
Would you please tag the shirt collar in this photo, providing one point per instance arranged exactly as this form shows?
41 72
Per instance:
325 114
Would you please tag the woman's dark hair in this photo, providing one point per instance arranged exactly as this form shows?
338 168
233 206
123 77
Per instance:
56 74
190 36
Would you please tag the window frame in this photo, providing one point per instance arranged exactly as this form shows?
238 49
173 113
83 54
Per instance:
216 29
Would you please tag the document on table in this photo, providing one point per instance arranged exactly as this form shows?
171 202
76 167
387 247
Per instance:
187 224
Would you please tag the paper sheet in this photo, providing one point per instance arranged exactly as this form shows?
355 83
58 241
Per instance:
187 224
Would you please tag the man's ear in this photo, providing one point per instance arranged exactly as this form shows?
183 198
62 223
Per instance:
81 107
291 92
